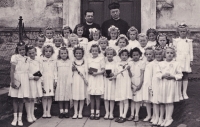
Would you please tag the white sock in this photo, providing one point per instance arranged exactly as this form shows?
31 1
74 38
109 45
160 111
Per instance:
20 116
66 110
97 111
61 110
15 116
92 110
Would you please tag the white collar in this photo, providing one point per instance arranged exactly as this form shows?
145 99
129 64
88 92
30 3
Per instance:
89 23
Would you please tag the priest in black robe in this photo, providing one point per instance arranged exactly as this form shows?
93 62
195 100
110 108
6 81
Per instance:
115 20
89 18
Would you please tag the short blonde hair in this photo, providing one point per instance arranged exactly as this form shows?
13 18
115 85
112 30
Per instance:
46 47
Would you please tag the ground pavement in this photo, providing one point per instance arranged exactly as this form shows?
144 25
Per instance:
85 122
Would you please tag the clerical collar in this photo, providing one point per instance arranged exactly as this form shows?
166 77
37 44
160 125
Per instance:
89 23
116 19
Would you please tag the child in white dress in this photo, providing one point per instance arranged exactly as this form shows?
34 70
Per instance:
122 43
123 84
113 32
66 31
80 31
143 40
137 70
49 33
146 97
49 79
169 71
58 42
94 35
34 81
96 68
132 35
79 81
40 39
158 108
73 42
64 81
103 43
109 93
19 86
151 34
184 55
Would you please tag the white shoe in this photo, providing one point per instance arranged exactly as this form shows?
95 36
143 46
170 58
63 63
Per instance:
20 123
147 119
155 122
181 97
152 119
74 116
80 116
168 122
14 122
29 119
106 117
185 96
33 118
163 123
160 122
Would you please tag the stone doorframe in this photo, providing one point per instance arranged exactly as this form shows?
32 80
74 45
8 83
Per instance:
72 14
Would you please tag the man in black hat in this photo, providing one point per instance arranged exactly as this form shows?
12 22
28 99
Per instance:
89 17
115 20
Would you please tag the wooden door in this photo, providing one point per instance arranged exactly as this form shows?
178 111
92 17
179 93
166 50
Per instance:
130 11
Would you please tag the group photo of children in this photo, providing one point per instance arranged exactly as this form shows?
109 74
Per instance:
124 68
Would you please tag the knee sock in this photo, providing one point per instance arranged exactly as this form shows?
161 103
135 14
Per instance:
162 111
81 104
106 106
125 108
121 107
132 108
166 111
75 107
44 104
32 109
156 111
28 109
170 110
111 107
137 108
148 107
49 102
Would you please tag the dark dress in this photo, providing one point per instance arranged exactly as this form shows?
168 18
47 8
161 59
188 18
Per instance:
121 24
87 27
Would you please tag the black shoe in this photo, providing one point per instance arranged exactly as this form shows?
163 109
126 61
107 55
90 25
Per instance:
116 120
66 115
92 117
122 120
61 115
97 116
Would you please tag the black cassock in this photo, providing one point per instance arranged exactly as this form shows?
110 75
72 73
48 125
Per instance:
121 24
87 27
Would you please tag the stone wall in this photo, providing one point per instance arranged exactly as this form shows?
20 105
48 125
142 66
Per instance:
36 13
186 11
